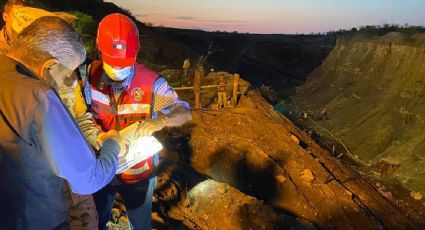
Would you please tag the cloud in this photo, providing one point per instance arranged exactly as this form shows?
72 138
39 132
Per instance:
190 18
150 15
197 28
185 18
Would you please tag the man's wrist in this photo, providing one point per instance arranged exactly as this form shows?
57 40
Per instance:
164 120
113 146
100 138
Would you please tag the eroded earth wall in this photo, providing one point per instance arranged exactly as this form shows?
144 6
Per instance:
372 90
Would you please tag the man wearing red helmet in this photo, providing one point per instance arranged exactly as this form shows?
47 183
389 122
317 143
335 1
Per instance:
121 93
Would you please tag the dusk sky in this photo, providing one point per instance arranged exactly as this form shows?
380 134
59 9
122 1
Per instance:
275 16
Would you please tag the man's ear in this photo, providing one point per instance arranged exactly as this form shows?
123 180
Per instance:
5 17
49 64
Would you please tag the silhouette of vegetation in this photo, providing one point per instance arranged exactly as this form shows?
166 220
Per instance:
87 27
380 30
203 58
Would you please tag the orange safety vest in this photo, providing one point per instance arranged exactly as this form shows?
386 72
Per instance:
134 104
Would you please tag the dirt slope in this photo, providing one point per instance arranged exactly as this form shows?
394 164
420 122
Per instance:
373 93
260 153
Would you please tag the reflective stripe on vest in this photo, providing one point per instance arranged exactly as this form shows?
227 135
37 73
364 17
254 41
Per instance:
122 109
133 109
140 170
99 96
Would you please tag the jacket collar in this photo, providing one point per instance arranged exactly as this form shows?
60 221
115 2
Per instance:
15 65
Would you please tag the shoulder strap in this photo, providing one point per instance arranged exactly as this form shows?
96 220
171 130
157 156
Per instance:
149 75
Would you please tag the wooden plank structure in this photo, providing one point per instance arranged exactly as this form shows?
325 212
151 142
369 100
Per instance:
199 73
236 78
197 86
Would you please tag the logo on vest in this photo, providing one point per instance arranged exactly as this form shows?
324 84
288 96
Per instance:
137 94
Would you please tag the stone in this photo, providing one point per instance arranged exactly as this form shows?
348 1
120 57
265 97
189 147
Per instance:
307 176
280 179
416 195
295 139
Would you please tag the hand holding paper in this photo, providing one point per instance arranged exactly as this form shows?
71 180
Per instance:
151 125
140 148
122 141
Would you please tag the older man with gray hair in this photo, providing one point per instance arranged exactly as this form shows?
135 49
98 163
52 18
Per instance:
41 145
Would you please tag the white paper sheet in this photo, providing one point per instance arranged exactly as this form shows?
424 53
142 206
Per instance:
140 149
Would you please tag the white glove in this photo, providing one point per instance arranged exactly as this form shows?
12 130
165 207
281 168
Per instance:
103 136
122 142
149 126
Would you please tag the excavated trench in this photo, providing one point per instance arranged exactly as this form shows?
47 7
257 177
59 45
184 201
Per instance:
257 154
249 167
371 90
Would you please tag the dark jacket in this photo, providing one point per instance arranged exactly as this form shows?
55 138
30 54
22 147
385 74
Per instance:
40 147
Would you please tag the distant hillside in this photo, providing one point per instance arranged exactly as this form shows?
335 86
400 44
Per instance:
372 90
282 61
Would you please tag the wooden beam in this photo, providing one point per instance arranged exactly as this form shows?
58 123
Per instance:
236 78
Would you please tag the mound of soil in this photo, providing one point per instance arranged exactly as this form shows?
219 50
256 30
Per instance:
257 155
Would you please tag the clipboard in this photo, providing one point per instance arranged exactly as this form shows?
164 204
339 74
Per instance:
141 148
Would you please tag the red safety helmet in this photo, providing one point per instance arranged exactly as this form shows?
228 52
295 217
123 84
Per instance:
118 40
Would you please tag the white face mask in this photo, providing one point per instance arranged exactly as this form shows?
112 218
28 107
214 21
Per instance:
117 74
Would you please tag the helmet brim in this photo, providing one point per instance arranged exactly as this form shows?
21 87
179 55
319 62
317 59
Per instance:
118 62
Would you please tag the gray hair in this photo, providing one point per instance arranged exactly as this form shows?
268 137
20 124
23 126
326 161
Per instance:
49 38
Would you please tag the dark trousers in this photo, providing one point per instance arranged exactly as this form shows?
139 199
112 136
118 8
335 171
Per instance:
137 199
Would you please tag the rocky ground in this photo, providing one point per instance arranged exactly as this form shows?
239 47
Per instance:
379 175
249 167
